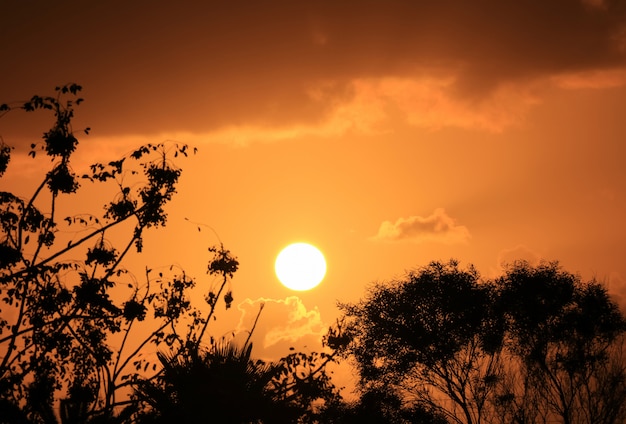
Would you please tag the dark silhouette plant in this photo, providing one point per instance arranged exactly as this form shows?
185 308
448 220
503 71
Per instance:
567 338
224 384
75 324
536 345
381 406
426 335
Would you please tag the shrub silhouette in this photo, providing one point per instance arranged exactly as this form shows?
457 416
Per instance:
59 313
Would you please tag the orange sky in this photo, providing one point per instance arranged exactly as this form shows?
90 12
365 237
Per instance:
387 133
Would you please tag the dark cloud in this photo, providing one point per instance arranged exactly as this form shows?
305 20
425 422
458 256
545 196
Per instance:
200 65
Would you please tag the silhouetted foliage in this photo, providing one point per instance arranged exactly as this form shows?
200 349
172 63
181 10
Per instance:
67 339
567 337
535 345
224 384
426 335
381 406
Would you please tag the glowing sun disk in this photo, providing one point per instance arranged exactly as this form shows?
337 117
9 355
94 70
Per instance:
300 266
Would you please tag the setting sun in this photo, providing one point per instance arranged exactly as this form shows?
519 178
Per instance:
300 266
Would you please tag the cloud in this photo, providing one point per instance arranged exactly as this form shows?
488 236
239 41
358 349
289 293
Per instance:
429 102
518 253
438 227
282 321
295 65
592 79
509 256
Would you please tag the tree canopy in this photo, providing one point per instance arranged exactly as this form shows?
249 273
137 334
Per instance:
534 345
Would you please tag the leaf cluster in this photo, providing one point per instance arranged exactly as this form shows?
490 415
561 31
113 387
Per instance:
225 384
62 302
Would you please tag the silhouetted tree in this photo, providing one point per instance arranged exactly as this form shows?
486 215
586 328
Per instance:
65 335
304 384
537 345
432 335
566 338
224 384
381 406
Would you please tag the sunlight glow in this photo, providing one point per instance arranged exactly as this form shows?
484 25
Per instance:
300 266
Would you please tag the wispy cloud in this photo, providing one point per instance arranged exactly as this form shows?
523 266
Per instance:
283 320
592 79
510 255
518 253
430 102
437 227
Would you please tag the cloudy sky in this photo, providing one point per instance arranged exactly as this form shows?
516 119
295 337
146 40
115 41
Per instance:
387 133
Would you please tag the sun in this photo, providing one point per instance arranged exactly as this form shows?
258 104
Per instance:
300 266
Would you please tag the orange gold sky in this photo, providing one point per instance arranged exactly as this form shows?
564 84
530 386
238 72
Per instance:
387 133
